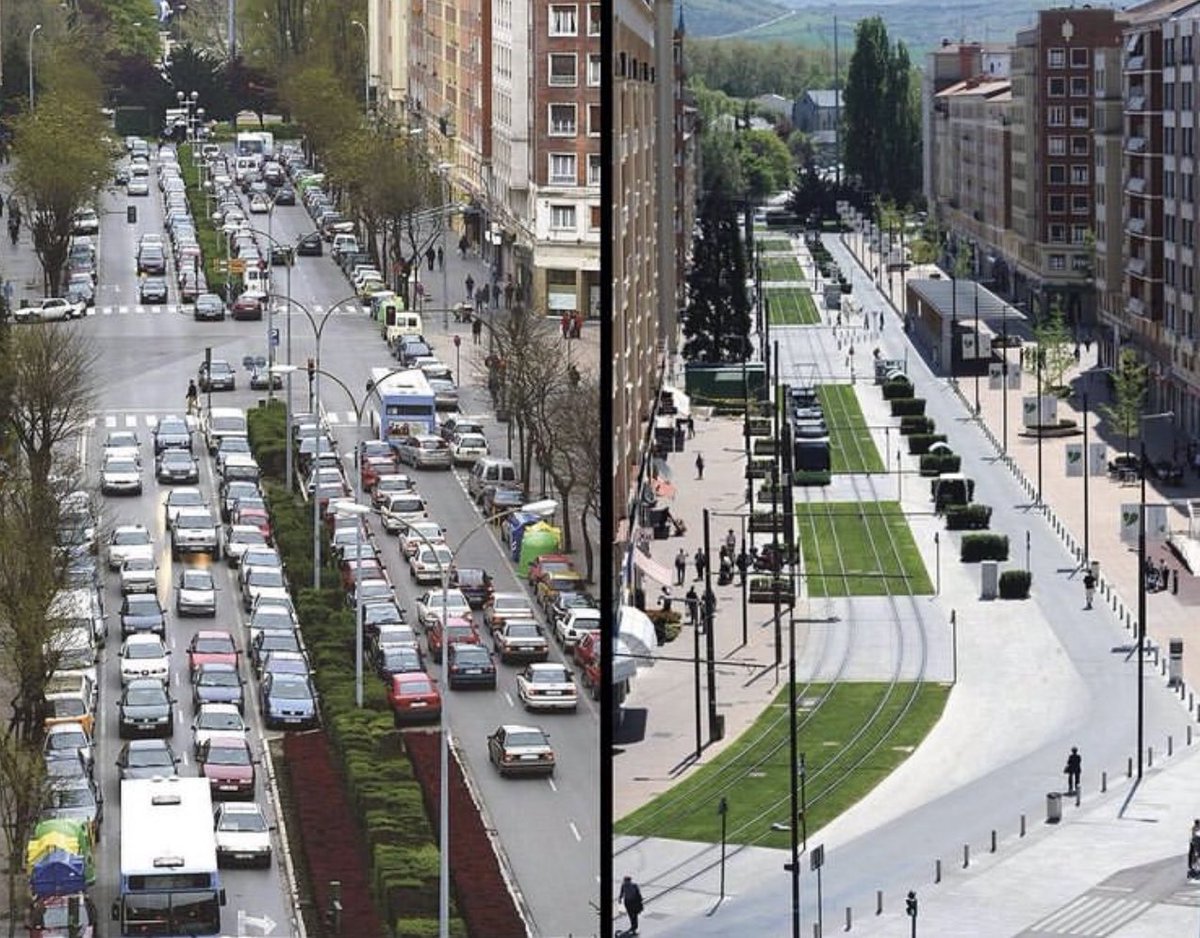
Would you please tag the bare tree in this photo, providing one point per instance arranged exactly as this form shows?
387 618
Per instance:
23 789
568 434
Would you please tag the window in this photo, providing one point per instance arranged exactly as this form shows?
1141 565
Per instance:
1168 52
1058 204
595 120
1187 180
1056 58
1079 205
562 169
594 217
1169 272
564 20
594 164
1189 233
1058 234
1169 315
1185 279
1185 96
1056 115
1057 87
1168 96
1169 227
562 120
1079 235
1058 262
1057 146
1080 262
1056 175
1079 57
562 217
595 19
593 78
1079 87
1169 140
1079 175
562 69
1079 116
1079 146
1188 139
1185 50
1169 184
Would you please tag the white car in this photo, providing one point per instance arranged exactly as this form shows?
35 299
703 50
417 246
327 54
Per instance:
427 564
196 593
547 686
262 583
240 538
243 834
183 497
400 510
429 605
138 185
217 719
50 309
121 475
259 204
568 629
139 575
123 444
467 447
418 533
129 540
144 655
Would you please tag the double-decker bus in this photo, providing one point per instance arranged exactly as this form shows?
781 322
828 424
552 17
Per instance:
406 403
169 880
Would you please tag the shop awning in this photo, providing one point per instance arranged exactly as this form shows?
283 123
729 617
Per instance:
637 632
624 668
653 569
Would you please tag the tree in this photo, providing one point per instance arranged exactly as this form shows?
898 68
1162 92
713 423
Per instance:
319 101
1129 382
63 157
716 324
22 793
196 69
1054 345
766 162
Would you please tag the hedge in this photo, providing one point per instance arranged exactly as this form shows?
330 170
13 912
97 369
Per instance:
947 492
901 387
910 425
666 624
919 443
908 406
1014 584
977 547
813 477
764 446
968 517
940 462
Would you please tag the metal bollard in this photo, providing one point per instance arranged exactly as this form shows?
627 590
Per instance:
1103 782
1149 757
1170 746
937 871
1129 767
816 930
1077 797
966 855
1191 703
1189 735
993 841
1022 825
879 902
847 918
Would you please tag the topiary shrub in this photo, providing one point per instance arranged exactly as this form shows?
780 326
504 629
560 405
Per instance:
968 517
910 425
946 492
812 477
764 447
1014 584
919 443
901 387
666 624
977 547
934 464
908 406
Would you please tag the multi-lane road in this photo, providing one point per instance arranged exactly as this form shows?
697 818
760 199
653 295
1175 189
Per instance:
548 829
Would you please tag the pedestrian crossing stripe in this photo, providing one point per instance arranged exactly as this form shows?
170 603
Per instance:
179 308
149 419
1092 915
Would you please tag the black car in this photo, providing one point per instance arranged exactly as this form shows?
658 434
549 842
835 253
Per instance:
142 612
216 375
272 640
285 195
310 245
152 260
172 433
281 256
474 582
153 290
210 307
145 709
175 465
397 659
469 666
146 758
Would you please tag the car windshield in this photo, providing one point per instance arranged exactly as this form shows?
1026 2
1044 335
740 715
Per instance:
279 641
397 657
291 690
131 538
459 633
248 537
66 707
211 677
172 426
509 603
121 439
524 631
71 796
176 458
471 439
272 619
436 555
142 650
209 720
139 563
377 448
71 658
228 755
146 757
142 606
196 519
550 676
524 738
214 645
248 822
234 444
265 576
145 696
120 465
66 742
197 580
180 499
417 687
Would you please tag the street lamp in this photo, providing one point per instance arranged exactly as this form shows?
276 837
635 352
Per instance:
357 510
33 32
366 65
286 370
444 173
543 508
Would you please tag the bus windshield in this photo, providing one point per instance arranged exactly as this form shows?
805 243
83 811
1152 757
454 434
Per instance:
173 913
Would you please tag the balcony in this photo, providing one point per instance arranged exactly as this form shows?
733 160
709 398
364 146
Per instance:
1135 145
1136 226
1136 266
1136 306
1136 185
1135 63
1135 102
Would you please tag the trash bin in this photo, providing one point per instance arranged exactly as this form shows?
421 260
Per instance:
989 579
1174 662
131 214
1053 807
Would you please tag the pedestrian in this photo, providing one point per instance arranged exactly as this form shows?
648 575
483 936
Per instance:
1089 587
665 599
699 466
691 427
693 606
8 293
1194 850
881 320
470 286
866 319
430 257
741 563
1164 575
700 559
495 294
578 325
564 324
680 567
476 329
1175 582
631 897
1073 770
463 244
441 259
731 542
14 229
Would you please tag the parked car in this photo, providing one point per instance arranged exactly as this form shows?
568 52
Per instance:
413 696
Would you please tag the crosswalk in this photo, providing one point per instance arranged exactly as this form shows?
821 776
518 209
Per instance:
148 419
174 309
1093 915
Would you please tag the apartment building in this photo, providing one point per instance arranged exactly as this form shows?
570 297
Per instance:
387 55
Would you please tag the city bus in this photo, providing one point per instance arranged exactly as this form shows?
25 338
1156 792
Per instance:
169 880
405 405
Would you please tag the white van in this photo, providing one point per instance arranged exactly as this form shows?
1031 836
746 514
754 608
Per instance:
223 422
490 472
245 164
80 608
257 278
398 322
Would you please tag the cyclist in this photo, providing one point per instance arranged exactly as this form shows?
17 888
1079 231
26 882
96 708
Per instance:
193 397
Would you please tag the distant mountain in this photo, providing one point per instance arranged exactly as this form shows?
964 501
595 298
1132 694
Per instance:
922 24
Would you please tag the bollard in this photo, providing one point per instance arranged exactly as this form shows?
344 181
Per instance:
1149 757
937 871
816 930
1129 767
1022 825
847 918
1103 782
1170 746
1190 701
1077 797
1189 736
993 841
966 856
879 902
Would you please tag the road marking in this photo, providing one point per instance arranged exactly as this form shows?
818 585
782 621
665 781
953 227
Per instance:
1091 915
508 697
550 782
575 831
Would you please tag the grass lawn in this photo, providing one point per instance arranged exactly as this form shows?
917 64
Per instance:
851 448
753 772
847 551
781 268
772 244
792 306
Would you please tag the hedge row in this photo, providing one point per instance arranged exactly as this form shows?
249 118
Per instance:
908 406
977 547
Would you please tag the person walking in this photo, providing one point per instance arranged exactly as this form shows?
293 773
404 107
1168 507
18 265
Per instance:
631 897
665 599
476 329
1175 581
441 258
691 427
699 466
680 567
731 543
463 244
1089 587
470 282
430 257
1073 770
564 323
693 606
700 559
742 563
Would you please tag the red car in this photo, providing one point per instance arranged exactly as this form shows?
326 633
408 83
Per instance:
228 764
371 570
376 458
587 649
259 517
49 917
457 629
547 564
248 306
413 696
212 645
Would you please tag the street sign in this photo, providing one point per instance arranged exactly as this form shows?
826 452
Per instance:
223 267
237 265
274 338
816 859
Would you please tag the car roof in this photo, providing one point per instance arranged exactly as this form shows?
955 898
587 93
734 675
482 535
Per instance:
521 728
142 638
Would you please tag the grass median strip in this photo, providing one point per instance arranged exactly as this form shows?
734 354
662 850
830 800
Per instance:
781 268
859 549
851 448
753 773
792 306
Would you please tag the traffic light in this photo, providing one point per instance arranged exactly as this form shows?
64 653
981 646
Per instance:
910 904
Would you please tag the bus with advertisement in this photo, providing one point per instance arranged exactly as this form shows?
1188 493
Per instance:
404 403
169 885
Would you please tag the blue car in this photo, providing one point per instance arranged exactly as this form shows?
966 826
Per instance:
217 682
288 701
142 612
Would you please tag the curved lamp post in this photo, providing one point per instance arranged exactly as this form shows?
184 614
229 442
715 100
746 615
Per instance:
33 32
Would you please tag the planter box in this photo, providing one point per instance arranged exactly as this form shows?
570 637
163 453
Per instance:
894 389
968 517
934 464
812 477
764 447
908 406
919 443
768 589
911 425
977 547
759 468
1014 584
